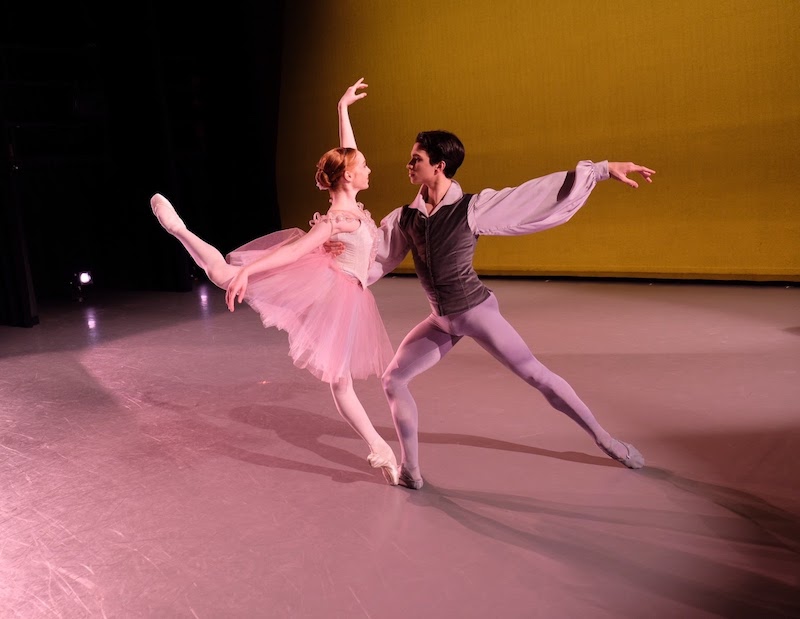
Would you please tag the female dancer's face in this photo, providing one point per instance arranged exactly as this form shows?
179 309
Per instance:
360 172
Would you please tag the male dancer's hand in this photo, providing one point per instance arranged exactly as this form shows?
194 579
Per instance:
620 170
333 247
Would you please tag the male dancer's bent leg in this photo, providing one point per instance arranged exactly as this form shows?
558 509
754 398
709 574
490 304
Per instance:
424 346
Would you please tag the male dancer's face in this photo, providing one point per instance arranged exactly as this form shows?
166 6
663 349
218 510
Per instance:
420 170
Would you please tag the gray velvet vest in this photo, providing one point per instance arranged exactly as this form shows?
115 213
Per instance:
443 247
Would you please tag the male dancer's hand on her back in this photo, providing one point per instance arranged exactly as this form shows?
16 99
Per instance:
333 247
620 170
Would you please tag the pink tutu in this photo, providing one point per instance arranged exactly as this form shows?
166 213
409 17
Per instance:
333 323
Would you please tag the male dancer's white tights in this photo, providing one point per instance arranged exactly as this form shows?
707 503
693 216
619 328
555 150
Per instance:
434 337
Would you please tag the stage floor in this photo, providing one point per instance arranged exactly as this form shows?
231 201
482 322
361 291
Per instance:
162 457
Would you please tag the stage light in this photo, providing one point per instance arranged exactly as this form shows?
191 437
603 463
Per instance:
80 279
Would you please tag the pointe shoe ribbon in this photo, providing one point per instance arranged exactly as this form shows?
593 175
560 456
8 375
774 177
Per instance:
387 467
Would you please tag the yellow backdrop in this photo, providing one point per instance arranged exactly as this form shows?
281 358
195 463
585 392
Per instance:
705 92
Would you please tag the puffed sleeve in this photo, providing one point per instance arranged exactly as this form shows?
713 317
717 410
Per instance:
317 218
392 247
537 204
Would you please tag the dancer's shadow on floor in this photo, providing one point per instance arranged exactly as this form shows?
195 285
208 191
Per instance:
305 430
781 526
187 434
468 440
753 520
598 537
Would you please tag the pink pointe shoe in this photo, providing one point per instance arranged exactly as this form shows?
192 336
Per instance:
166 215
387 466
632 458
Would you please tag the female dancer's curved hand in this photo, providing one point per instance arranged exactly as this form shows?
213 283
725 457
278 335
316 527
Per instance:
351 95
620 170
236 288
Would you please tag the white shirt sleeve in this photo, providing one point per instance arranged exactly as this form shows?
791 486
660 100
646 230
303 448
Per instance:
392 247
537 204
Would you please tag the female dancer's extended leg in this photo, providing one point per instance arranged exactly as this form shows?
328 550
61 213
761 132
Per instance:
206 256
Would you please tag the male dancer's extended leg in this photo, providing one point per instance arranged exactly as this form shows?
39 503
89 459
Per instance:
207 257
422 348
350 408
495 334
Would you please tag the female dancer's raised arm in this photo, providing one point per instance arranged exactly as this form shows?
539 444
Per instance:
347 138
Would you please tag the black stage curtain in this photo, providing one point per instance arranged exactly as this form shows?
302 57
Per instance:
101 108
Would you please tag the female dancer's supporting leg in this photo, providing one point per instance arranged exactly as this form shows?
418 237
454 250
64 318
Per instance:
350 408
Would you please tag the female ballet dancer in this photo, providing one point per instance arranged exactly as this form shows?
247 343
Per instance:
320 300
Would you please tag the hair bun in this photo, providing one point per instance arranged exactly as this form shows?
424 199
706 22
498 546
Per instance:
322 181
332 166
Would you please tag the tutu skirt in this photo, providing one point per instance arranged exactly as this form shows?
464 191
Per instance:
333 324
